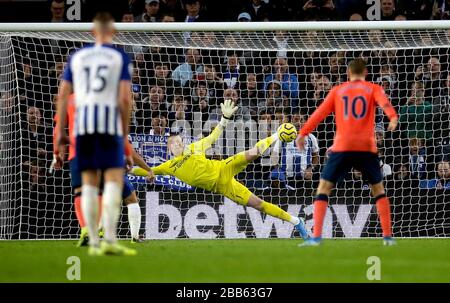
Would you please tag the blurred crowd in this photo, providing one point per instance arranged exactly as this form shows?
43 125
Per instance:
266 10
271 87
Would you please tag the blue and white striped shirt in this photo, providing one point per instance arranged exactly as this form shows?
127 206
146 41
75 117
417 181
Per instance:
293 161
95 72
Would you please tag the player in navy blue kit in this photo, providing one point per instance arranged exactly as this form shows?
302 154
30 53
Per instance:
99 75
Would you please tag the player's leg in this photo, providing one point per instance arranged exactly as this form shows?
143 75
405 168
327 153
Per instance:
335 169
75 182
260 147
89 203
320 205
84 237
134 216
112 196
370 170
242 195
384 211
130 200
111 150
237 163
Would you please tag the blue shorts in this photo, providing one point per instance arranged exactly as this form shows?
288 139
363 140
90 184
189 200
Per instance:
340 163
99 151
75 179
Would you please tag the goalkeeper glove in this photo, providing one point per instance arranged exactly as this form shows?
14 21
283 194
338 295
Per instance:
228 110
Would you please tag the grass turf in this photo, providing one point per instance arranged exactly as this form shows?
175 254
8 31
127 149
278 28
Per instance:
249 260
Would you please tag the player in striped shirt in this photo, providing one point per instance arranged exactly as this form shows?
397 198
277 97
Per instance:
353 104
296 164
100 77
129 196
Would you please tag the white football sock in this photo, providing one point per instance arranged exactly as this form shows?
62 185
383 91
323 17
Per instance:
294 220
89 207
112 196
134 219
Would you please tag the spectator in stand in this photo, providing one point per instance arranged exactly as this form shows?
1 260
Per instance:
400 18
54 75
285 10
36 173
57 10
136 7
258 10
289 81
416 9
431 77
274 98
200 101
281 116
346 8
443 178
193 11
402 173
251 95
401 178
172 8
388 10
152 104
322 86
159 124
29 89
282 41
167 17
442 10
162 76
179 114
230 74
320 10
388 84
127 17
151 13
337 73
356 17
214 85
35 134
244 17
386 169
188 71
265 123
243 112
417 158
415 117
136 86
441 112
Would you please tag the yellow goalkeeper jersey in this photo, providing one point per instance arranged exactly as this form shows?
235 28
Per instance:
192 167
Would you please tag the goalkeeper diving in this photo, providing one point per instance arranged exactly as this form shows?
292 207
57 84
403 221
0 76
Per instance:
191 166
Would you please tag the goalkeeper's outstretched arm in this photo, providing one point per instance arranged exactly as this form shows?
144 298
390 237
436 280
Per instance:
228 110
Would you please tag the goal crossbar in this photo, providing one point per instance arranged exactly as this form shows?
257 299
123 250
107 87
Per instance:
235 26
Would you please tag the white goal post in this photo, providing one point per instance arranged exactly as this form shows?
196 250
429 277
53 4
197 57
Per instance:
277 71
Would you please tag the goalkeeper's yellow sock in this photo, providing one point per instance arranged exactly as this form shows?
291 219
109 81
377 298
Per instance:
277 212
264 144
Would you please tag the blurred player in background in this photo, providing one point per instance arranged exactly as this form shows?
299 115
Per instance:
128 194
192 167
296 165
100 76
353 104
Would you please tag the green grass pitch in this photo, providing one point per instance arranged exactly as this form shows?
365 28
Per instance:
247 260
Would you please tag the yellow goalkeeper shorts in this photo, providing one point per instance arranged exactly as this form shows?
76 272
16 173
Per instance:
228 185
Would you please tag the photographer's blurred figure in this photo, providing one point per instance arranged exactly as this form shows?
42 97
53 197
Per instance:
323 10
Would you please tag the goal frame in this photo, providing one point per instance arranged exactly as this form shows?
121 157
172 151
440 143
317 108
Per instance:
326 26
